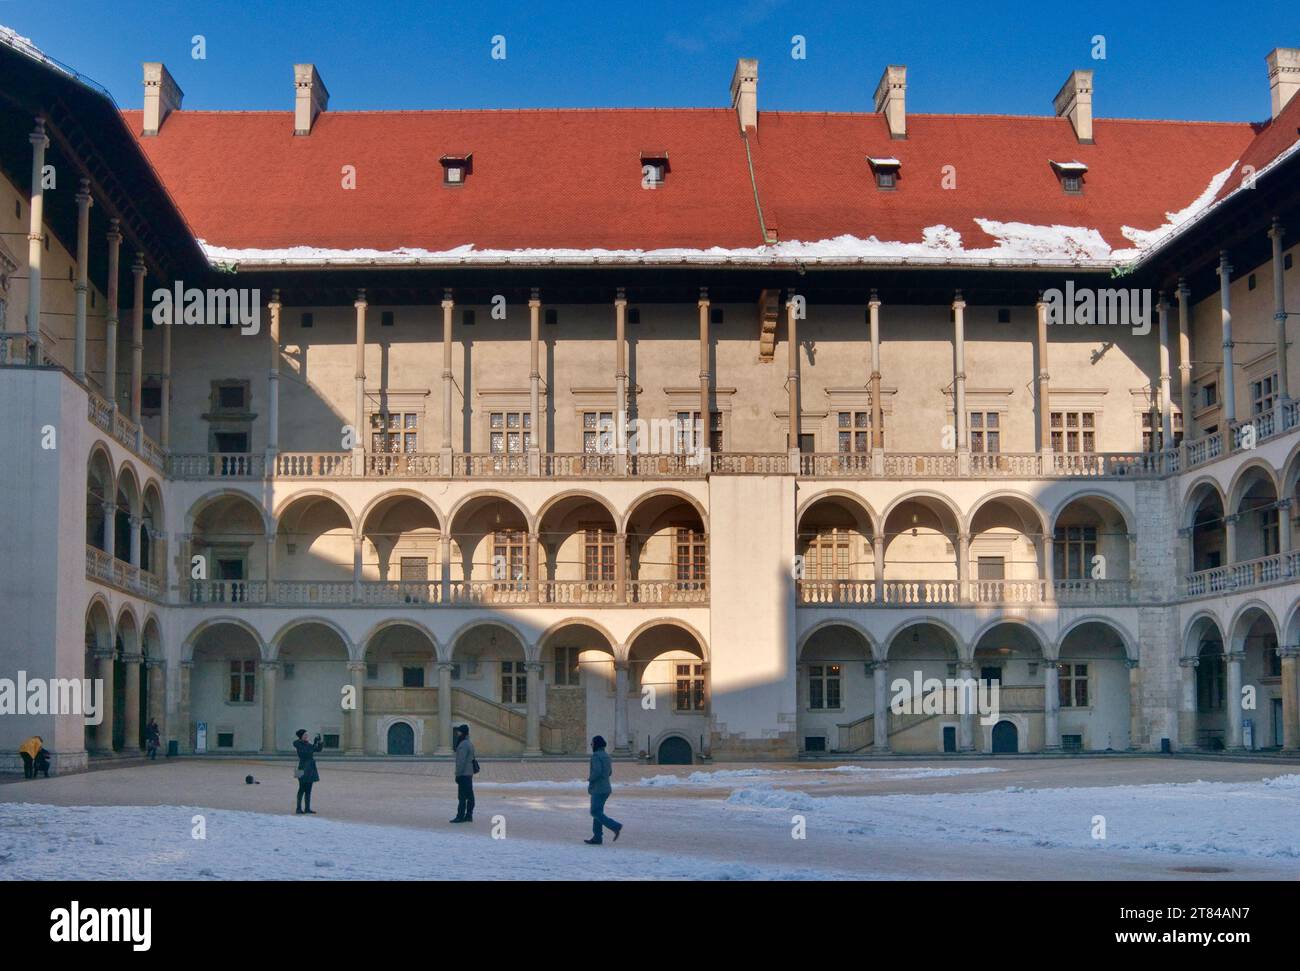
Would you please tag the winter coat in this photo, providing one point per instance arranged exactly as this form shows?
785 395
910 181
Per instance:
602 767
465 757
31 747
307 759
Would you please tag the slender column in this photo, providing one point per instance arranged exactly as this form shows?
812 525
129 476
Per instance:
877 408
133 551
620 383
165 390
620 568
1048 573
358 543
964 592
1051 704
109 509
1232 703
959 383
534 560
1044 382
84 202
131 703
880 708
110 315
1166 416
534 382
702 447
104 675
448 306
1187 709
36 242
1230 522
966 726
621 743
444 561
1279 309
156 672
1290 699
444 708
359 377
356 741
1284 524
1229 375
792 380
273 385
1185 357
137 334
184 729
270 671
1134 704
533 741
878 568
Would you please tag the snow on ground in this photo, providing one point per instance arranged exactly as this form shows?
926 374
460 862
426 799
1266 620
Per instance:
723 777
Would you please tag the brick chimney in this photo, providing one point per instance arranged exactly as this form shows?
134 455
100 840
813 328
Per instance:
744 92
162 96
891 99
310 97
1074 101
1283 76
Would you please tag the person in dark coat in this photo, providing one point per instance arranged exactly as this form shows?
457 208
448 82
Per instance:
465 766
36 759
152 738
602 768
306 772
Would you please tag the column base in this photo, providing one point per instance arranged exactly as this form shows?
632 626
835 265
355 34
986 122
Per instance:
442 750
532 753
354 752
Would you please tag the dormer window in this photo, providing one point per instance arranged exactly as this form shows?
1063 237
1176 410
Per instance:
886 171
455 168
654 168
1071 176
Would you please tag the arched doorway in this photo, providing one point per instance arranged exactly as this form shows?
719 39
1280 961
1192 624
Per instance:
401 739
675 750
1005 737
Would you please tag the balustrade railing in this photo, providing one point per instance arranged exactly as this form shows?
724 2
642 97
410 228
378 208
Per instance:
1093 591
836 593
667 591
921 465
578 592
215 465
227 591
412 592
910 592
759 463
1007 591
1010 465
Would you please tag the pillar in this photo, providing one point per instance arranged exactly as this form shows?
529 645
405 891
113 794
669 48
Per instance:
533 742
878 568
1229 376
1230 522
964 592
1279 310
165 390
880 708
444 708
1166 417
184 730
356 741
877 407
966 726
703 445
1051 705
273 385
959 383
1185 357
1187 707
1232 699
104 675
531 570
131 703
621 743
134 551
109 509
110 315
270 671
84 203
792 380
620 568
1284 524
1043 385
358 543
156 672
137 334
1290 699
444 562
620 383
36 242
534 382
1134 704
448 306
359 378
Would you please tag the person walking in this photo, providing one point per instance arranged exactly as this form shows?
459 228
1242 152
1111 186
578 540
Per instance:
466 766
602 768
306 771
35 758
152 738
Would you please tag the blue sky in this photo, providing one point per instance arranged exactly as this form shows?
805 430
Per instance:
1192 59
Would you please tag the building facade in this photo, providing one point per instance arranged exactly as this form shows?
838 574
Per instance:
698 429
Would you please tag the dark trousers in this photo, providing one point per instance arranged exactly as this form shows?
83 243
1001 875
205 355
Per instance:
29 767
464 797
599 819
304 791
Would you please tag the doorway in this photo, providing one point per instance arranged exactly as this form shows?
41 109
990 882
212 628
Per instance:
675 750
401 739
1006 737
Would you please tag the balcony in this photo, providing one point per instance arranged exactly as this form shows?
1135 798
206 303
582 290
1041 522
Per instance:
118 573
947 593
432 593
1261 572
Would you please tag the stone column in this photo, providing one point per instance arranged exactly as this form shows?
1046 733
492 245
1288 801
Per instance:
966 727
137 335
1044 388
878 568
165 389
533 743
1134 704
1187 709
534 383
273 386
1185 359
444 708
184 728
134 552
620 568
270 673
1230 522
532 571
620 383
109 509
131 704
1166 413
964 592
792 380
104 662
880 708
704 445
1232 699
1284 524
359 390
959 383
1051 706
110 315
1279 309
156 672
1290 699
621 743
358 543
448 306
1229 375
36 242
84 202
877 406
356 740
444 558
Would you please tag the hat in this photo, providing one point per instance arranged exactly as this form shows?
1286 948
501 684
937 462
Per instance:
300 733
598 741
463 729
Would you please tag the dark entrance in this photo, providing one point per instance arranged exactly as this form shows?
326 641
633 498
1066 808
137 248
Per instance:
1005 737
675 750
401 739
949 738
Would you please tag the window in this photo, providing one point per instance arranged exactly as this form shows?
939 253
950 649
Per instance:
634 315
1074 431
1071 743
598 560
814 743
597 428
467 318
885 171
225 739
514 683
1268 523
567 666
1071 176
1209 682
1072 685
329 740
1263 394
455 169
231 397
991 674
853 431
151 398
689 558
231 442
824 687
243 682
1210 395
372 671
306 320
687 426
654 168
827 555
510 432
289 671
414 569
1004 315
991 568
985 436
413 676
1072 184
509 547
1074 548
1286 262
552 316
689 682
386 318
715 315
1152 433
394 433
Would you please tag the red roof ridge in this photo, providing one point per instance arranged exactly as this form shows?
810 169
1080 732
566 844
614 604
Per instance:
431 111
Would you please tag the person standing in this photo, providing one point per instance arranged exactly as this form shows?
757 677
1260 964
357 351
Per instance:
35 758
152 738
306 771
602 768
466 766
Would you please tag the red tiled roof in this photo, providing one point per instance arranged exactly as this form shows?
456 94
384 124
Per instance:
571 178
1274 137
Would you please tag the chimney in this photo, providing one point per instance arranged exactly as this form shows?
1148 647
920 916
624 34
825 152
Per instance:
744 92
1283 76
310 97
162 96
1074 101
891 97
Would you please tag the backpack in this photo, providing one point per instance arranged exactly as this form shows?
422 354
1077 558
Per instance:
475 761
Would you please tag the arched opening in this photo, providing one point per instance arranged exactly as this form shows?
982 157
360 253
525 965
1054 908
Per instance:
402 552
152 560
579 681
229 536
579 546
128 733
1205 644
490 687
1090 552
401 739
921 652
152 694
1255 639
1093 696
1256 531
1209 541
675 750
313 558
1005 738
1007 552
836 693
492 552
225 689
313 661
1011 656
667 664
401 682
101 494
667 551
838 556
126 517
921 544
99 643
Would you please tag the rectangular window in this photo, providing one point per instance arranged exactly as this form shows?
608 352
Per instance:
1072 685
510 547
230 397
243 681
510 432
514 683
689 558
329 740
824 687
1074 431
1268 524
597 432
985 435
853 431
413 677
1263 394
687 426
1074 548
827 555
414 569
225 739
567 666
991 568
689 682
598 558
394 433
1210 394
1153 434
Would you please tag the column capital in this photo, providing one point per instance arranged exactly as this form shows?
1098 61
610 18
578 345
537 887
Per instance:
1224 265
270 666
1234 656
137 264
444 665
152 663
103 654
361 303
535 297
958 303
1162 304
275 299
1185 532
1291 651
187 664
83 195
704 297
1285 503
447 300
1132 663
533 667
1275 230
356 666
1183 290
1189 662
873 301
114 231
620 297
132 658
1232 518
38 138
